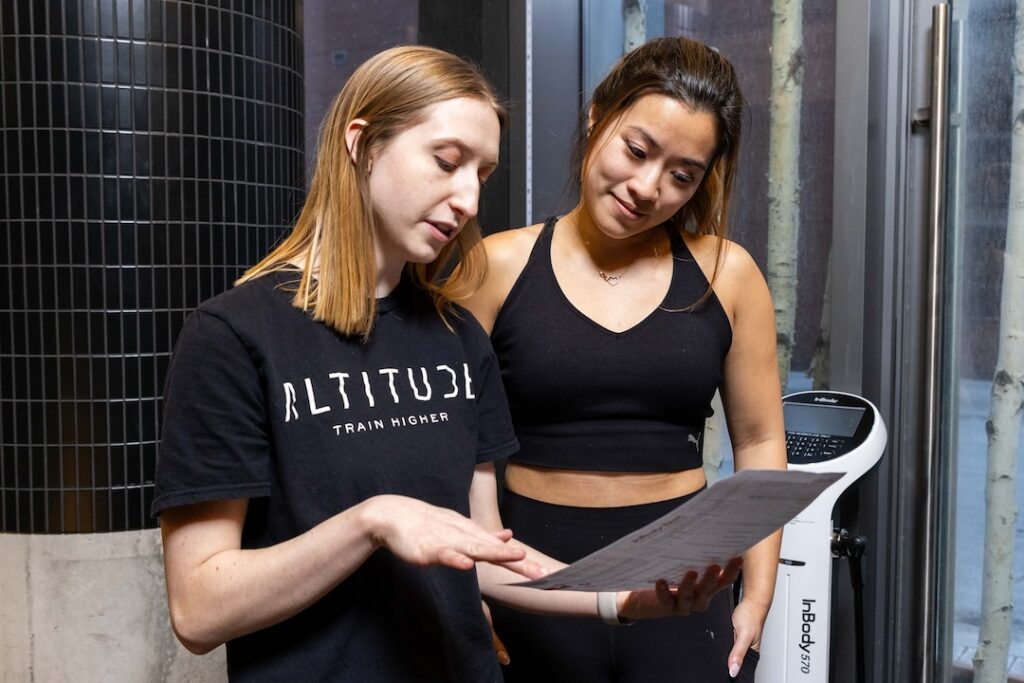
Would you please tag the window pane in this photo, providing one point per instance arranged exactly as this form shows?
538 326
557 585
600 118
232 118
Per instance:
980 177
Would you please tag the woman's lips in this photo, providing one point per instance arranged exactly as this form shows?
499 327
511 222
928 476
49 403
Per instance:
442 231
627 210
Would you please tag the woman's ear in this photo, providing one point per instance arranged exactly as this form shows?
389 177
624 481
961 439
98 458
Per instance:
590 119
353 131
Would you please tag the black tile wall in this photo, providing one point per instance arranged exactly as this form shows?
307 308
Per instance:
152 150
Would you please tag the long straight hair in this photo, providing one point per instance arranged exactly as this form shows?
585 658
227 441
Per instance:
333 237
697 76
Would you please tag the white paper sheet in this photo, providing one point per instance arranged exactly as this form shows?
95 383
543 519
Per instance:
719 523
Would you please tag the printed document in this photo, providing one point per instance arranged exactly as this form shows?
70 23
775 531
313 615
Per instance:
714 526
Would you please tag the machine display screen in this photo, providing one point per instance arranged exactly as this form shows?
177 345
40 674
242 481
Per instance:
819 419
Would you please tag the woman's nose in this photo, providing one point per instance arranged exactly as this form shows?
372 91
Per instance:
465 198
644 185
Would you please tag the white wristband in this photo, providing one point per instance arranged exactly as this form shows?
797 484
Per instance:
608 609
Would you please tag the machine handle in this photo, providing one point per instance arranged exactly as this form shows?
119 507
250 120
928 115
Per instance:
937 128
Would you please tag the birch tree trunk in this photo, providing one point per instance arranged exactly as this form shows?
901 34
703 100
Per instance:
820 365
1003 425
714 437
783 171
634 18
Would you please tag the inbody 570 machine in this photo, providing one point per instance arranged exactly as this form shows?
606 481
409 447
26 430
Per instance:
826 431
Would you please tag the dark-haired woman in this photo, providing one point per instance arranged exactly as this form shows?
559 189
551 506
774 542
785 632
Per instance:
614 325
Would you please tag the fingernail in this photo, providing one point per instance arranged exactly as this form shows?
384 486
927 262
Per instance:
503 658
734 670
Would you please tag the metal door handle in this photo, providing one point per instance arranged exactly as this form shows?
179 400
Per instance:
937 132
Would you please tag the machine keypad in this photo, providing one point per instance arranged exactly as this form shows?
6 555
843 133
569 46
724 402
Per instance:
803 447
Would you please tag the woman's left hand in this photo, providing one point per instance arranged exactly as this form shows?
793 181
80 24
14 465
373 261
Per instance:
693 594
747 624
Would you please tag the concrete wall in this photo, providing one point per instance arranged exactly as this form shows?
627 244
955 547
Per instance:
91 607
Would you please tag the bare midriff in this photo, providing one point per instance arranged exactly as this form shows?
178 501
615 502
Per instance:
590 489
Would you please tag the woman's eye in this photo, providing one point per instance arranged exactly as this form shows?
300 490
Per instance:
683 178
638 152
444 165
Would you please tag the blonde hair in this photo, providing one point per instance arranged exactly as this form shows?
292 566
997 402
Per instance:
333 236
702 79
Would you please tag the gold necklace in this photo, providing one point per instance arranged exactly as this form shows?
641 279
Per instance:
612 280
609 278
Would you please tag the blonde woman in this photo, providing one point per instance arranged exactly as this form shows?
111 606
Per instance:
324 417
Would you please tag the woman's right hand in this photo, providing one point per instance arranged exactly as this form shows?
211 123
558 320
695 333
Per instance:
692 594
423 534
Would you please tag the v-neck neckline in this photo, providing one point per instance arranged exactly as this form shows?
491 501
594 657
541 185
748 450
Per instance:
586 318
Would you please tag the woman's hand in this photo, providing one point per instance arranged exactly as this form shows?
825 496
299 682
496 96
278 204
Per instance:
693 594
423 534
747 624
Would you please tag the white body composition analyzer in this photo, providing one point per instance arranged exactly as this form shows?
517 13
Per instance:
826 431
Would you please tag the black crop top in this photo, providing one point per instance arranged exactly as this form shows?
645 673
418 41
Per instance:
586 398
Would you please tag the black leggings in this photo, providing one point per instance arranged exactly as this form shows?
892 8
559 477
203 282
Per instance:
567 649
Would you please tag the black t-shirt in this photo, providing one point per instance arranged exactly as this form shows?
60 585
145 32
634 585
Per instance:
264 403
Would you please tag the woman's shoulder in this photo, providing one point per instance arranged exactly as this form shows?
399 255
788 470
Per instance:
508 248
736 277
251 309
507 254
736 265
242 297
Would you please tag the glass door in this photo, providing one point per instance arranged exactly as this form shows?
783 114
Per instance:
984 348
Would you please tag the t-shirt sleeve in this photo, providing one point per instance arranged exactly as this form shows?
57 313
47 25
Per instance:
215 443
496 436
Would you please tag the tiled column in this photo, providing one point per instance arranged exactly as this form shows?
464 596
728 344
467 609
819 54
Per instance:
151 151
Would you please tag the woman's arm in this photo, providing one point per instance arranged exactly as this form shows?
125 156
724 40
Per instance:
218 591
751 397
483 505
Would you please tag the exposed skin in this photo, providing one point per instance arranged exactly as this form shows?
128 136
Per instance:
645 167
425 182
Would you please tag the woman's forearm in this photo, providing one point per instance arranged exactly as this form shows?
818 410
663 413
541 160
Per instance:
761 562
760 566
218 591
217 594
496 585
